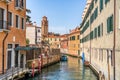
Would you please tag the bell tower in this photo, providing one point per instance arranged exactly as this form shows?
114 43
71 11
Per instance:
44 26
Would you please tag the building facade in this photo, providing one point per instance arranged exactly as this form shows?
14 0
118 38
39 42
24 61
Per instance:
12 34
53 40
38 35
44 27
99 37
64 44
74 42
33 34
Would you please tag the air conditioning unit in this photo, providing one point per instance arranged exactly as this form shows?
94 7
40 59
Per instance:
6 1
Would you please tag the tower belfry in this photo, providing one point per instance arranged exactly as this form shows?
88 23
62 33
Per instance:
44 26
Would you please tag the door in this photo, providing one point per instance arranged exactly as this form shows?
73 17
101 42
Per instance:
1 18
78 52
9 59
21 60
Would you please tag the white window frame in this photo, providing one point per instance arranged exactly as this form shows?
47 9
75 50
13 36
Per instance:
119 20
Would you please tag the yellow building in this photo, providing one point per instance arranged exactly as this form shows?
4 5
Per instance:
74 42
53 40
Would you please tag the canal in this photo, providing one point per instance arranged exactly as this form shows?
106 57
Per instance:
70 70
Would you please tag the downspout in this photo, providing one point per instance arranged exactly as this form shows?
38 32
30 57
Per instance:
3 43
114 40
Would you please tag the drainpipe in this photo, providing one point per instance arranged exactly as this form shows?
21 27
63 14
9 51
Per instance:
3 43
114 40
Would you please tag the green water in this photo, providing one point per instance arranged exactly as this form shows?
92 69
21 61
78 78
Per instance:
70 70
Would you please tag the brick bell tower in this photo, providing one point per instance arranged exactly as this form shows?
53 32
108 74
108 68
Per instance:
44 26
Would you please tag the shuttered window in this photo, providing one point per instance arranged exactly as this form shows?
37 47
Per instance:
110 24
99 34
85 27
95 1
96 12
9 18
106 1
101 5
95 32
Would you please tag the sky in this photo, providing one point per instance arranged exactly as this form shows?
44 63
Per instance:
63 15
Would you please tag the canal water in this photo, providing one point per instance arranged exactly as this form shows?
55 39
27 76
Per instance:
70 70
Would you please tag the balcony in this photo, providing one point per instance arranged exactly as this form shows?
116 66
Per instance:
6 1
19 5
3 26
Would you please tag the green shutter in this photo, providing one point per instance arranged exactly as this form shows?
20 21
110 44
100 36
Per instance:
98 31
101 5
95 1
108 25
106 1
111 23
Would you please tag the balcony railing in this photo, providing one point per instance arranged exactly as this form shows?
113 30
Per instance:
6 1
19 5
4 25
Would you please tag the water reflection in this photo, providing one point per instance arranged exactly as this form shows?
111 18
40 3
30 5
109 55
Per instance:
71 70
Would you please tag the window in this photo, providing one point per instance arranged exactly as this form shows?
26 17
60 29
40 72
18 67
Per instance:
9 18
91 18
9 57
99 34
101 5
111 53
78 37
22 22
96 12
91 35
73 37
19 3
59 39
17 21
95 1
1 18
110 24
85 27
38 30
106 1
95 33
55 39
16 58
10 46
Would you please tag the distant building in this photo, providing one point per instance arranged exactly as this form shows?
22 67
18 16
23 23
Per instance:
33 34
54 40
74 42
44 26
64 44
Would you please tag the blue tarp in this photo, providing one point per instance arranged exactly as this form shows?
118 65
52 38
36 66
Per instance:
83 57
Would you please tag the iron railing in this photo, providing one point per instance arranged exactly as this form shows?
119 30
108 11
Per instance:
12 72
4 25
